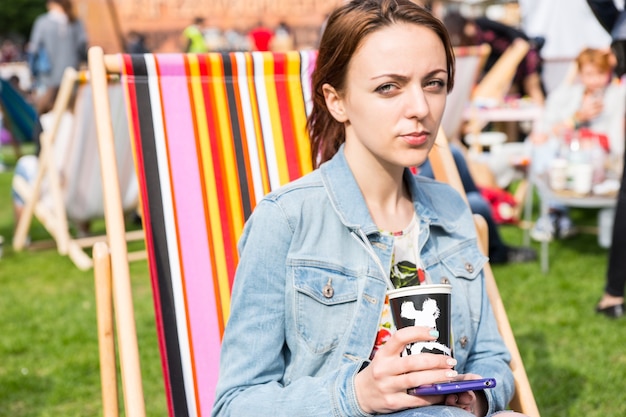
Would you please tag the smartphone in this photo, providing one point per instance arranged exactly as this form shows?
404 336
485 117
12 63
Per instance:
454 386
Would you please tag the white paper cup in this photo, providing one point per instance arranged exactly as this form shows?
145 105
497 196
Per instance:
558 174
582 178
423 305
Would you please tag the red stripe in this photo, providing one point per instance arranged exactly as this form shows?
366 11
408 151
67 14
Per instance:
284 107
129 72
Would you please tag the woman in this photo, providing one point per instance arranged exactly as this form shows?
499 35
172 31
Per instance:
316 255
61 38
596 103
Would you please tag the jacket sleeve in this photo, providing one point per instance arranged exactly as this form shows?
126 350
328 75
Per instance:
254 353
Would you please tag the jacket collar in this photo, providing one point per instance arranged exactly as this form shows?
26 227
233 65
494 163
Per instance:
347 200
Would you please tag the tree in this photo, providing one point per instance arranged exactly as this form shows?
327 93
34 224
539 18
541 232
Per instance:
17 16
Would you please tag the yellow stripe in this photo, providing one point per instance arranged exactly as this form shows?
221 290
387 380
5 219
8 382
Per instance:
208 169
228 155
298 111
272 104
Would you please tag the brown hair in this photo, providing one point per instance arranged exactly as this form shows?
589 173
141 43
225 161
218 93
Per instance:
347 26
67 7
596 57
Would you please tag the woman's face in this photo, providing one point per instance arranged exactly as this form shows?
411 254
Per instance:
593 78
394 96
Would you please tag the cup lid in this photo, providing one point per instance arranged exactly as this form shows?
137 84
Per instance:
420 289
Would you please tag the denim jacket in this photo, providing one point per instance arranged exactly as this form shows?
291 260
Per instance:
288 350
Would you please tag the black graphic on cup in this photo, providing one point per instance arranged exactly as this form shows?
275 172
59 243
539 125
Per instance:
423 305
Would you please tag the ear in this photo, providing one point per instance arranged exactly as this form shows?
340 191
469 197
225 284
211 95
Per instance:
334 103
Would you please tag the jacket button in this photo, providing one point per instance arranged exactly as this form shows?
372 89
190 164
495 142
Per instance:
328 289
469 267
463 341
445 280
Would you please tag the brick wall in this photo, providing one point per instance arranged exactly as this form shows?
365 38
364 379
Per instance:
162 21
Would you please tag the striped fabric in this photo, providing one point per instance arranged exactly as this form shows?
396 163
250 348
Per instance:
19 116
80 161
212 134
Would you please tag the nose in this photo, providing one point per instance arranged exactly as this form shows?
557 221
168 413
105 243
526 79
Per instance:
416 103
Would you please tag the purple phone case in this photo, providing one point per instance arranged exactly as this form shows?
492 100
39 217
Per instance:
452 387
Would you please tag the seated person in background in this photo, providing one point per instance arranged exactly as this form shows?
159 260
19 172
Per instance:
594 106
317 256
499 252
464 32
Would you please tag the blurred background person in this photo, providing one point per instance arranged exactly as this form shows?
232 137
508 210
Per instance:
283 39
136 43
58 40
193 37
467 31
567 26
612 302
260 37
577 116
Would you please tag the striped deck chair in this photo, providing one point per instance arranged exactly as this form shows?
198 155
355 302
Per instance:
67 186
18 116
212 134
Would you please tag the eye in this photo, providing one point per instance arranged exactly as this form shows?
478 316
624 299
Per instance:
385 88
436 85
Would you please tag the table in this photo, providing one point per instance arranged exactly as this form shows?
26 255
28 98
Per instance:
605 203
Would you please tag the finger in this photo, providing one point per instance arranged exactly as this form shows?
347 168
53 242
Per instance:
451 399
430 361
466 398
406 335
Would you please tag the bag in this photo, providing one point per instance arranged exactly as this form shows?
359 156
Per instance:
40 62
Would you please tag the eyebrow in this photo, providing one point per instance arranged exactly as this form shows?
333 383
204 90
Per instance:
404 77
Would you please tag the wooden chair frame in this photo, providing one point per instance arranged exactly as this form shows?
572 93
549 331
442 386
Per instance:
54 218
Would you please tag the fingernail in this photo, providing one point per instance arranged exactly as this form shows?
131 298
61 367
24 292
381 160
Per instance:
451 361
434 333
451 374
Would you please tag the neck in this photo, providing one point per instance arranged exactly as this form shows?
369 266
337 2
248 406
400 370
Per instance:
387 197
55 7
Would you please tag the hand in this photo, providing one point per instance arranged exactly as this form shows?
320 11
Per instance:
382 386
590 108
474 402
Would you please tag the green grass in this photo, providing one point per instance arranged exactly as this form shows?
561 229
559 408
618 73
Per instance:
575 359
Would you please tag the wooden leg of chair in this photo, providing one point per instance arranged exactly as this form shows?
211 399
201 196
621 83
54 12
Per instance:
524 400
106 339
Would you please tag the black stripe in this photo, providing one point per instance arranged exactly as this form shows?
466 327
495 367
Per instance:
238 141
157 225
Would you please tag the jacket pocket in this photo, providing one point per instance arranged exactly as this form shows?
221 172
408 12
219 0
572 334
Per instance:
465 261
325 302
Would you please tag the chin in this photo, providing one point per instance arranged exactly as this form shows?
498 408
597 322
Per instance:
414 159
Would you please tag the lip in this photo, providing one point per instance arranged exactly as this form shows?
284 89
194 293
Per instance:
416 138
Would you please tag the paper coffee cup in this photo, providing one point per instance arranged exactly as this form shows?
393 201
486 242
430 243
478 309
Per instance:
558 174
423 305
582 178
